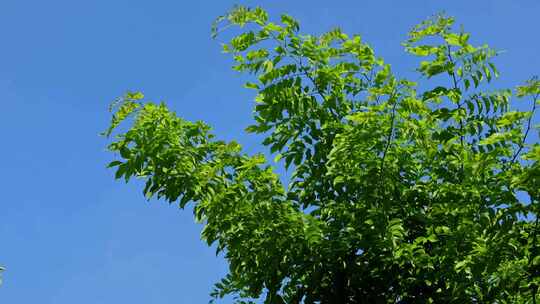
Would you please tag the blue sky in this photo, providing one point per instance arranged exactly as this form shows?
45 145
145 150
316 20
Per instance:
69 233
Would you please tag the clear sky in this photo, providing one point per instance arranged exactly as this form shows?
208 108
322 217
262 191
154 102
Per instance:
69 233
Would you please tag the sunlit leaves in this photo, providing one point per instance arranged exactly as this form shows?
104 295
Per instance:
399 191
531 88
127 104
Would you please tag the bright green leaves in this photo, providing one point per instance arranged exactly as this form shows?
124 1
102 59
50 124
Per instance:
382 76
453 55
160 145
464 115
512 118
243 42
240 16
305 88
239 198
531 88
290 23
277 75
500 137
127 104
399 192
456 39
435 26
439 26
533 154
433 68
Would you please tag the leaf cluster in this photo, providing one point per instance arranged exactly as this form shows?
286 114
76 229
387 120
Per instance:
401 192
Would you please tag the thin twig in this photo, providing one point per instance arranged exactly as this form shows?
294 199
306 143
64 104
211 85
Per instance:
529 122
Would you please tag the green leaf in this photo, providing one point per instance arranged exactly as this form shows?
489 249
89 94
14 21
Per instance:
114 164
453 39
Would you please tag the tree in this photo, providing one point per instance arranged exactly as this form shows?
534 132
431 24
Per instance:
401 192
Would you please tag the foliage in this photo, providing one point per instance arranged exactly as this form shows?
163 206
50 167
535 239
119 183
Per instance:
400 193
